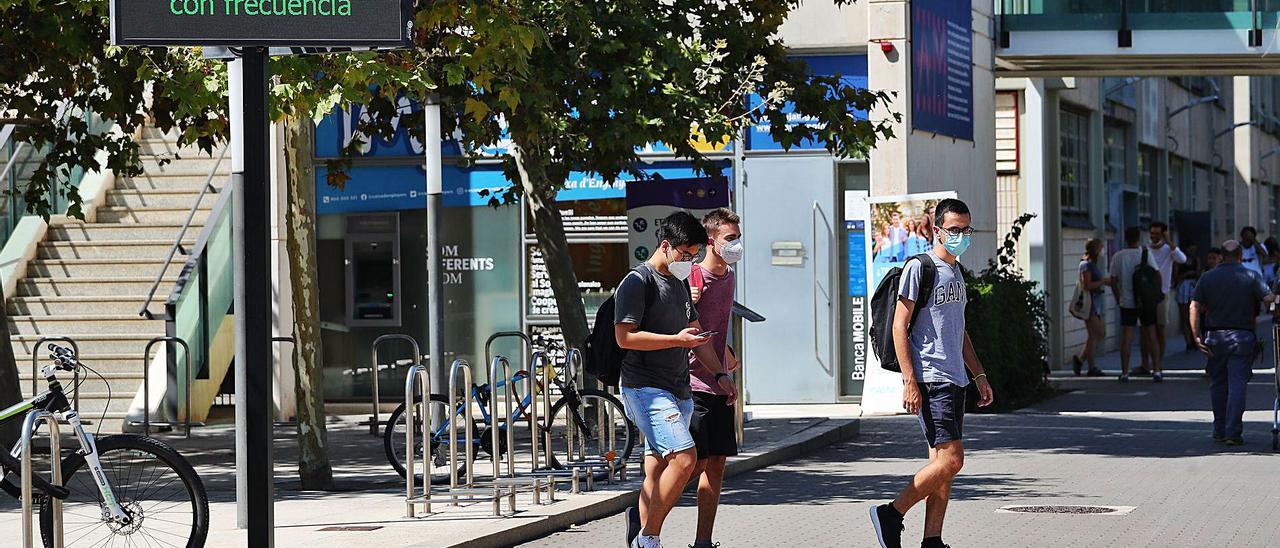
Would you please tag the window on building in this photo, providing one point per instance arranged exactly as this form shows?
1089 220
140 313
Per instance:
1147 173
1073 151
1176 194
1229 204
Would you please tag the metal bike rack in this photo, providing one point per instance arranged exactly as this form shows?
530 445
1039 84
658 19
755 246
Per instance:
146 385
375 420
55 451
511 480
524 337
35 366
573 360
416 373
290 340
468 433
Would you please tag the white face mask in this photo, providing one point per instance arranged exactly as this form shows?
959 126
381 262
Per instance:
681 269
731 252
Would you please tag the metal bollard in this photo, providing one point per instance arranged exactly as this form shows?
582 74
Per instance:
469 436
55 458
35 366
373 365
146 384
419 377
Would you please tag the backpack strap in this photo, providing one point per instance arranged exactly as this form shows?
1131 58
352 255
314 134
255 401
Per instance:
928 277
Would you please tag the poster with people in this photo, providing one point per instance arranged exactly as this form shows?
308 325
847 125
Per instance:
901 227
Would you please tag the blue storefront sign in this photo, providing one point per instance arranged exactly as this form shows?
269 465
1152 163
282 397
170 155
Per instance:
857 255
852 70
942 67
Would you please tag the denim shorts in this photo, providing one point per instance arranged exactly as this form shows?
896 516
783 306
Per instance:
663 419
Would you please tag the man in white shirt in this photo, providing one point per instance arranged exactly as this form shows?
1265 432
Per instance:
1254 254
1164 254
1132 317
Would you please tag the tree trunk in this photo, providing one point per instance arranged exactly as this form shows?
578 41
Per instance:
10 385
540 195
313 452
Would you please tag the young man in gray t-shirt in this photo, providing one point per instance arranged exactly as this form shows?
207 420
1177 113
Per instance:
657 335
938 350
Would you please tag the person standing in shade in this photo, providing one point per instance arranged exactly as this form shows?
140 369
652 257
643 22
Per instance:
1228 296
714 423
934 353
1185 276
1123 265
1254 255
1092 280
1165 254
656 323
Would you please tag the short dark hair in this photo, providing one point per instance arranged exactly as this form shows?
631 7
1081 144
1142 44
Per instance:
719 216
949 205
1215 251
1248 229
1132 235
681 229
1160 225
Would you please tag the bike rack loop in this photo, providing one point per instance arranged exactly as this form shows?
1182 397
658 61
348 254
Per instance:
55 452
528 344
541 363
511 438
35 366
462 366
146 384
373 365
416 373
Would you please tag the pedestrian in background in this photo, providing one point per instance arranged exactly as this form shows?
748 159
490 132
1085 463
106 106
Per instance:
1254 254
1228 296
1165 255
1092 280
1271 269
1185 276
1132 317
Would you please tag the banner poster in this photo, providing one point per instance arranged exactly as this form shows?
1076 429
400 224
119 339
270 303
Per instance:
901 226
649 201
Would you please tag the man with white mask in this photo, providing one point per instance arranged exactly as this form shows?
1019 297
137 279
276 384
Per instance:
713 425
656 323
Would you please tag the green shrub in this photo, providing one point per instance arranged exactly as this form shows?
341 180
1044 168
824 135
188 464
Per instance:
1007 323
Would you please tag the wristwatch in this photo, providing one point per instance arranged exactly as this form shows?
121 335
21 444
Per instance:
720 374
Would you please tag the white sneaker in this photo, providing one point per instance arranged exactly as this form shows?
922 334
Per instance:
646 541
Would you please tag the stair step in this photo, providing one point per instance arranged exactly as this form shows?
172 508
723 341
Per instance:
88 287
81 232
110 249
149 181
194 164
97 323
128 215
132 268
125 343
122 385
143 199
156 146
57 306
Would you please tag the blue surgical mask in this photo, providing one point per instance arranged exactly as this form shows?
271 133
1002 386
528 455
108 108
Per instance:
955 244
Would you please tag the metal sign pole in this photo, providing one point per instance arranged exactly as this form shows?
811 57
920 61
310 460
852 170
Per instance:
435 282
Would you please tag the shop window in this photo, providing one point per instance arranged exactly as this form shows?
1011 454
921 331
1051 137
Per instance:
1146 183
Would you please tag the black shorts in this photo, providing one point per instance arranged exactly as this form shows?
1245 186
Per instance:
1130 317
941 412
713 427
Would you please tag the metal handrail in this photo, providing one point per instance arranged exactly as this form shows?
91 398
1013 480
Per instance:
177 242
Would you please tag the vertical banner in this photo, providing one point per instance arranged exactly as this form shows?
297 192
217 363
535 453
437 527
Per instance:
857 325
942 67
900 227
651 200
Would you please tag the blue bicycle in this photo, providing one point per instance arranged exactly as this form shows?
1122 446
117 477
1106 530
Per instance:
600 427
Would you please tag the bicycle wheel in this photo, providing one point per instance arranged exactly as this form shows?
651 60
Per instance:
393 445
155 485
601 430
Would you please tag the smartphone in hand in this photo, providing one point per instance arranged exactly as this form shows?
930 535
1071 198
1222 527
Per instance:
706 334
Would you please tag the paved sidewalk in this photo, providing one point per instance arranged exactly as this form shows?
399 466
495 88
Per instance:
1141 444
368 507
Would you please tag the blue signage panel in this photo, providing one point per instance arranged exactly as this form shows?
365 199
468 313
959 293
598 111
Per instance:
857 234
942 67
852 70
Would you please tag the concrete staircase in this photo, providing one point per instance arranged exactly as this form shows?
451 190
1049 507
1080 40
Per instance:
88 281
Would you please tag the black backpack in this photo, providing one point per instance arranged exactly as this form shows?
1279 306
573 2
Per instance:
885 302
1146 285
603 355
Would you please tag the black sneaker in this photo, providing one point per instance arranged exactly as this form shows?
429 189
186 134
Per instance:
1076 365
1124 378
1234 441
888 526
933 543
633 524
1095 372
1219 437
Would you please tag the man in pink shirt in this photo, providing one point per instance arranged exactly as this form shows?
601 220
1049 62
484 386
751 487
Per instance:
713 424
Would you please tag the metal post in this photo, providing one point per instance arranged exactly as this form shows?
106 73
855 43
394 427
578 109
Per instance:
417 373
469 434
511 441
55 451
435 207
375 419
531 387
146 383
542 362
572 371
35 366
251 234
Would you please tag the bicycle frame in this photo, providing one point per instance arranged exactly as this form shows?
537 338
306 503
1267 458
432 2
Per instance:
55 402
